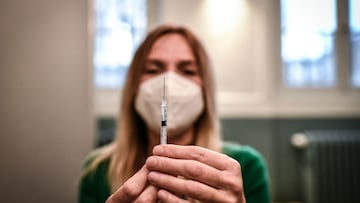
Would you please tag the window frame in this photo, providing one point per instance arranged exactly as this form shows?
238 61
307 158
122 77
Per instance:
339 100
342 53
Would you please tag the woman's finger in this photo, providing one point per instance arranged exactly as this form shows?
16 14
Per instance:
167 197
195 170
189 188
149 195
206 156
131 189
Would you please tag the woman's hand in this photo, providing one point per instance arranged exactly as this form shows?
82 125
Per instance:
136 189
194 172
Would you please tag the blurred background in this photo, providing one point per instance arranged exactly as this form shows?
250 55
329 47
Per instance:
287 75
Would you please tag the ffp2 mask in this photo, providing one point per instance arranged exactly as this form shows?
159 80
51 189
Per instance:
184 99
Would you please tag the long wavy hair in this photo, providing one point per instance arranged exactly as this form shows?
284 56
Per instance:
128 152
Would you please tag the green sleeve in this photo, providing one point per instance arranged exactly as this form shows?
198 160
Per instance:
87 193
94 187
254 172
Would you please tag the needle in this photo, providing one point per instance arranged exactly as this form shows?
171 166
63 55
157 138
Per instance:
163 131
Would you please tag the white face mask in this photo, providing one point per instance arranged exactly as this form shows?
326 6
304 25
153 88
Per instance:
184 103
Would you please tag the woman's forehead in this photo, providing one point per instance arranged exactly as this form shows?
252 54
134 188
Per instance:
171 46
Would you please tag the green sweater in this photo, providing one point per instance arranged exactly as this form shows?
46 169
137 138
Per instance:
94 187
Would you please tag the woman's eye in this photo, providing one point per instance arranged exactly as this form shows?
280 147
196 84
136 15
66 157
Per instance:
151 71
189 72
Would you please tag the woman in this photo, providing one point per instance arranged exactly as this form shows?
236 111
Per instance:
196 165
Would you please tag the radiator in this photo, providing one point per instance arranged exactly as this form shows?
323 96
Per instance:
330 162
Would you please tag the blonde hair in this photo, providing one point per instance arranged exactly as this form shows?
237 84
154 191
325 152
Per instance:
127 153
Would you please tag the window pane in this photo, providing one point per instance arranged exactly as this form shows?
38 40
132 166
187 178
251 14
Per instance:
308 43
120 26
355 42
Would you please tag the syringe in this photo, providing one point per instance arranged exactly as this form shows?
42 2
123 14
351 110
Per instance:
163 131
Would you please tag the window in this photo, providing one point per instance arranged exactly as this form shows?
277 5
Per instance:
354 18
308 43
311 54
120 25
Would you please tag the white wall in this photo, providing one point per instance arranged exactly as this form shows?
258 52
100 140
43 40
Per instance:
46 121
243 40
234 33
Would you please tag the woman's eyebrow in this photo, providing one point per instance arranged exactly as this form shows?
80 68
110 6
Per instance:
185 63
156 62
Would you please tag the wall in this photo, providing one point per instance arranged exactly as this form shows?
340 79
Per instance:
46 121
